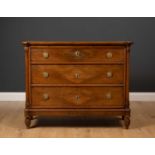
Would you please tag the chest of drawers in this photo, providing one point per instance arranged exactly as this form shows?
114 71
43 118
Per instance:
77 79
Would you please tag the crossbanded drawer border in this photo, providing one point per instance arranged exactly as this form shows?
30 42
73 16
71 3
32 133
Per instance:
133 96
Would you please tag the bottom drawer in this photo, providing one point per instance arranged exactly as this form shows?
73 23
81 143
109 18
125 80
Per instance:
77 97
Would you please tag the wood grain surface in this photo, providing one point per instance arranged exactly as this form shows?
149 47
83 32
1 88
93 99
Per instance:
86 74
78 54
78 97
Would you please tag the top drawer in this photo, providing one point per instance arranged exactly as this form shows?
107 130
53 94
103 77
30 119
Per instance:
64 54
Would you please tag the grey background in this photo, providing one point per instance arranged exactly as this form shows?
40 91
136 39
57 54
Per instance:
15 30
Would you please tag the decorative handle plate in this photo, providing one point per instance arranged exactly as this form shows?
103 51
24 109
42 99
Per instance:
109 55
45 96
77 53
109 74
77 75
45 55
77 97
108 96
45 74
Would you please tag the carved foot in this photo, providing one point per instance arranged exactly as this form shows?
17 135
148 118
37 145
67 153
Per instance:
126 121
28 122
123 117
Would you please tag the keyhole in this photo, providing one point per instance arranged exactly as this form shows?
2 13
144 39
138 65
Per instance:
77 53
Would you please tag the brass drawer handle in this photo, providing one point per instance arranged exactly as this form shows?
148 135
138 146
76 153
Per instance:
77 53
109 74
45 96
109 55
77 75
45 55
45 74
108 96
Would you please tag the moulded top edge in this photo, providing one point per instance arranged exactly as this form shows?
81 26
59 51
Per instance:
95 43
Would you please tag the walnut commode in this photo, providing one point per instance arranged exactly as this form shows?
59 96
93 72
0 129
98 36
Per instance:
80 79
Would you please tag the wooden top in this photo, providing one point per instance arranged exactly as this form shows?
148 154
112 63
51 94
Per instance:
57 43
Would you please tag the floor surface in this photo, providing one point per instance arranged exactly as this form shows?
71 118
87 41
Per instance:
12 124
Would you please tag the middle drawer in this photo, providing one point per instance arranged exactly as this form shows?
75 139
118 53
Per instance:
77 74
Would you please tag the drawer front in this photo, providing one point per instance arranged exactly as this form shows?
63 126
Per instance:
77 97
77 74
78 54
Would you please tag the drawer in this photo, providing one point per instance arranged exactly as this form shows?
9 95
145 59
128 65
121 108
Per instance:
77 74
78 54
77 97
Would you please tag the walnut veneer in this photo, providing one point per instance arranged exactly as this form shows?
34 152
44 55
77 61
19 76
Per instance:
77 79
